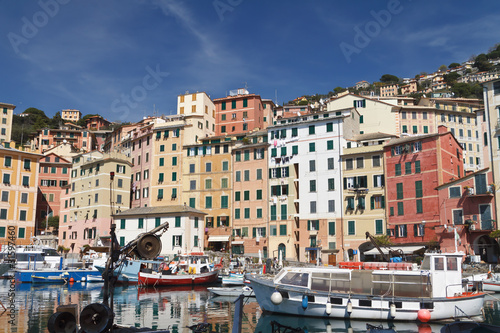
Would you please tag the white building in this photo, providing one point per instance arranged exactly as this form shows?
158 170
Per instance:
185 227
305 181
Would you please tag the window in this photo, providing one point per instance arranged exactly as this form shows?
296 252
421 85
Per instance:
312 185
379 227
399 191
330 162
400 231
378 180
192 185
419 206
246 175
398 169
246 195
331 228
401 210
418 189
407 168
351 227
22 215
6 178
349 164
331 184
24 198
329 145
259 174
233 104
259 195
246 213
312 130
7 161
312 207
458 217
26 180
455 192
21 232
5 196
208 202
377 202
140 223
417 166
312 147
312 165
238 176
295 132
295 150
331 206
225 166
174 176
359 162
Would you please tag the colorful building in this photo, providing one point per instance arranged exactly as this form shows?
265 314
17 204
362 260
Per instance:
54 175
70 114
414 168
238 113
250 199
47 138
100 187
19 190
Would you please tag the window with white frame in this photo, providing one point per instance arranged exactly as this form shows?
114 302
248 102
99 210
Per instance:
458 217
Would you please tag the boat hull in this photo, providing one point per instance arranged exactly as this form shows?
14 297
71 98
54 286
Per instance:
246 291
25 276
152 279
363 306
491 285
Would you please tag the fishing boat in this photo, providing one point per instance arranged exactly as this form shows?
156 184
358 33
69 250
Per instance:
218 291
486 281
52 279
94 279
394 291
234 279
128 270
193 269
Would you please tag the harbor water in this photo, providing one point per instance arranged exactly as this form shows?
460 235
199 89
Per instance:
173 308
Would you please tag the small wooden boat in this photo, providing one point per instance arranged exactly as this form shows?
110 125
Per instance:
49 279
234 279
246 291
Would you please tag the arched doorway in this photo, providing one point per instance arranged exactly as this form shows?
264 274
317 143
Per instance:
487 248
282 250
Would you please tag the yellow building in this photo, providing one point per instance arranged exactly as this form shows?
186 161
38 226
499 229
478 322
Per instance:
70 114
363 192
18 195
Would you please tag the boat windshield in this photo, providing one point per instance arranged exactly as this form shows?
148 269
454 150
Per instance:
295 279
426 263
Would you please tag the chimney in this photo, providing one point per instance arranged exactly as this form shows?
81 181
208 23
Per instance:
442 129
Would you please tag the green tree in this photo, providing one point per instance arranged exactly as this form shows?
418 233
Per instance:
453 65
451 78
442 68
338 90
388 78
56 121
467 90
481 63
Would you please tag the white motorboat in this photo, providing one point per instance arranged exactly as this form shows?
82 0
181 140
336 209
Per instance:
433 292
218 291
489 281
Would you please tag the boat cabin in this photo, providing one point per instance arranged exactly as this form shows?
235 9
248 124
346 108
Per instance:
440 275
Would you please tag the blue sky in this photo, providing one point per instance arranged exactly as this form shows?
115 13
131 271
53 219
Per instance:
122 58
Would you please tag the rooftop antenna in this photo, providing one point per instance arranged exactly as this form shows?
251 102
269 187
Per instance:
276 96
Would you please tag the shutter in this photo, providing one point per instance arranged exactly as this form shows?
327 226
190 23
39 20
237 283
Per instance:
117 168
364 103
270 173
354 103
218 221
308 224
263 232
278 172
383 202
331 228
254 232
255 154
372 202
345 183
173 241
392 151
383 180
415 230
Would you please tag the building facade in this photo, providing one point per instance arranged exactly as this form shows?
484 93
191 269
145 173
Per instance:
6 126
19 192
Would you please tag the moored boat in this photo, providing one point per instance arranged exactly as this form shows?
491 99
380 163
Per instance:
218 291
234 279
433 292
193 269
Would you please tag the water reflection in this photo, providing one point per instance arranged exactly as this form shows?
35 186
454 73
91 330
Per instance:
176 308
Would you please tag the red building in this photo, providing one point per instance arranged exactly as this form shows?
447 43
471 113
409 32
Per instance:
415 166
467 207
238 113
96 123
54 173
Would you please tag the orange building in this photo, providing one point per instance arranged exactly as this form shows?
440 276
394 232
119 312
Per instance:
238 113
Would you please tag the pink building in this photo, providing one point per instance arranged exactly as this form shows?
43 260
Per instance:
141 152
54 174
467 206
